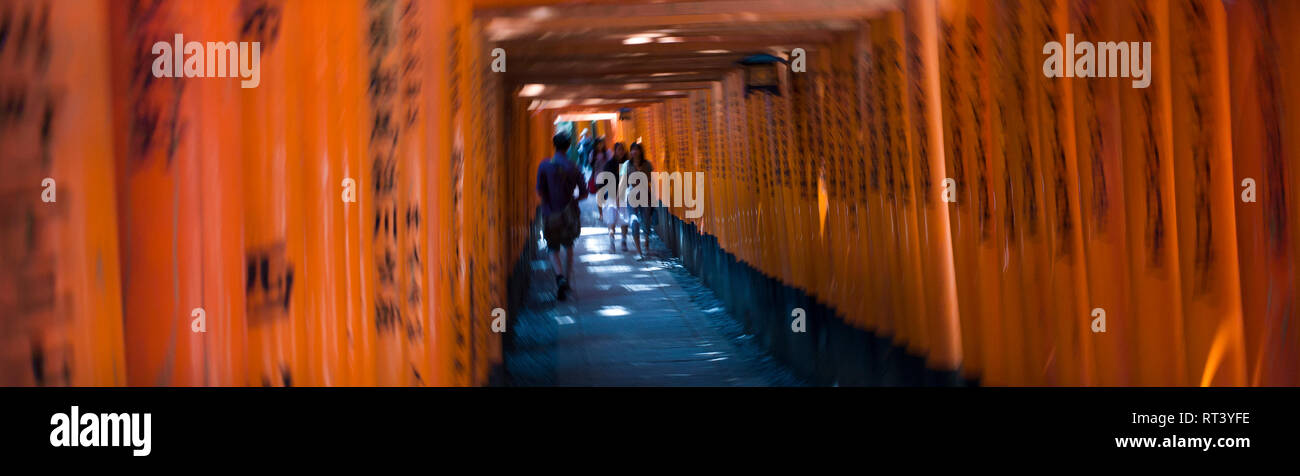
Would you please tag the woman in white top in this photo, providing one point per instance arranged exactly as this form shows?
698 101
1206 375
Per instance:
611 203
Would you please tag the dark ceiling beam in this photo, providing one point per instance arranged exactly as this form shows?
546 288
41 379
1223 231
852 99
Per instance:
612 95
576 47
603 107
566 49
711 32
631 69
572 90
675 63
619 78
499 4
510 22
549 76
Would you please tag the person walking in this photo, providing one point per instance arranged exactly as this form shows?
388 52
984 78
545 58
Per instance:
584 149
642 213
612 203
599 155
557 178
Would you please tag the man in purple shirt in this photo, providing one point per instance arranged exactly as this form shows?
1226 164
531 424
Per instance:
557 178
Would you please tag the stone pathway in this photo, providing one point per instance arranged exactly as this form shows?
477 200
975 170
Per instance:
629 322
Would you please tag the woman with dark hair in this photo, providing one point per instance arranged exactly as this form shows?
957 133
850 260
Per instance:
612 210
599 155
641 211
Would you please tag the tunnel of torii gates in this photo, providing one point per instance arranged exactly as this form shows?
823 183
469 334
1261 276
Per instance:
905 172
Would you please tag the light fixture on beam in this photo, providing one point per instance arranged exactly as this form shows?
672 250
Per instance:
541 13
641 38
765 73
531 90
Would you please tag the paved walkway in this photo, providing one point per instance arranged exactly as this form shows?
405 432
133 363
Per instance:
629 322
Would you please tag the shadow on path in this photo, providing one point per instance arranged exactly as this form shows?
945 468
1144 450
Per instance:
627 322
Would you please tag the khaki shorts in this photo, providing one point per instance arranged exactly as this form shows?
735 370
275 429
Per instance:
561 229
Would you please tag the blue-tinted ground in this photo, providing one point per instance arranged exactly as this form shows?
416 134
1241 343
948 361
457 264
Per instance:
628 322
